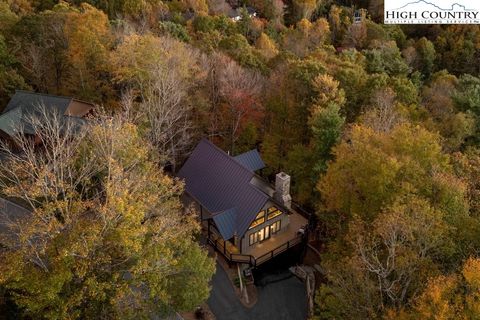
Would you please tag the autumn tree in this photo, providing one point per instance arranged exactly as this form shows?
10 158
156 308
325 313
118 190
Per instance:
455 124
273 10
88 35
326 119
287 109
8 18
391 258
374 167
282 122
339 23
453 296
266 46
240 91
467 166
401 184
107 236
159 72
303 9
307 36
456 48
356 35
383 115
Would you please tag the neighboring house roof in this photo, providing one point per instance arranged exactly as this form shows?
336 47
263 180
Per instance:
222 185
24 104
251 10
10 213
236 14
9 122
26 99
251 160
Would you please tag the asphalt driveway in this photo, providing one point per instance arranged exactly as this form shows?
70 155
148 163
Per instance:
280 297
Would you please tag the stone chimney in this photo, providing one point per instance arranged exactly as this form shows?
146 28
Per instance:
282 189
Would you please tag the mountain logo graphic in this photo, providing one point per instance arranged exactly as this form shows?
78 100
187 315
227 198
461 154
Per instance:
436 6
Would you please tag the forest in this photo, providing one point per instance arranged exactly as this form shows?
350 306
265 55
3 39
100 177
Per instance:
378 126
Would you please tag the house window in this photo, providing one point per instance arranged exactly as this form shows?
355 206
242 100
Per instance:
275 227
264 233
258 220
261 235
273 212
252 239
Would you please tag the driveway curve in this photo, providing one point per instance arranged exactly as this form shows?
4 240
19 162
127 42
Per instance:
281 297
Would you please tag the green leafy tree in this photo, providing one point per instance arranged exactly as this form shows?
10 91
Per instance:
175 30
467 99
426 56
386 58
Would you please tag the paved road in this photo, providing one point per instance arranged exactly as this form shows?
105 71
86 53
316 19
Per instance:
282 297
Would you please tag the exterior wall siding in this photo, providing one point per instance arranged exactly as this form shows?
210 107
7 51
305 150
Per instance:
242 243
284 218
78 108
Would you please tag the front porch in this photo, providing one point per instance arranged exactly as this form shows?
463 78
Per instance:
297 222
260 252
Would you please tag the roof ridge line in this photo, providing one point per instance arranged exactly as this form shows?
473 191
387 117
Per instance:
15 204
54 96
227 155
45 94
11 110
222 211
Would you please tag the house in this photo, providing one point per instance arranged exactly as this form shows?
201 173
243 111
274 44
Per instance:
24 104
236 15
247 220
12 215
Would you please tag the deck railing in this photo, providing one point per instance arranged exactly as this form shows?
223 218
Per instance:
219 244
275 252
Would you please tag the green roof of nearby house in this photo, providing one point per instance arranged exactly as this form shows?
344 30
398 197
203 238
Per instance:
9 121
24 105
31 100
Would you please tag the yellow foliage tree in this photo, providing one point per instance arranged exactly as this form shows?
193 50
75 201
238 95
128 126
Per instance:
87 31
266 46
107 237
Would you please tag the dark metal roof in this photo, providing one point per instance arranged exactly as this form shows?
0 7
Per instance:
10 122
226 222
220 183
31 100
251 159
24 105
10 214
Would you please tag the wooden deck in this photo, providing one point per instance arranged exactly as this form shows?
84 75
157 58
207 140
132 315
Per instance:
264 251
297 221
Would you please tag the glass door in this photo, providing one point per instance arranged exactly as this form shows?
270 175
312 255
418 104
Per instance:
267 232
261 235
275 227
